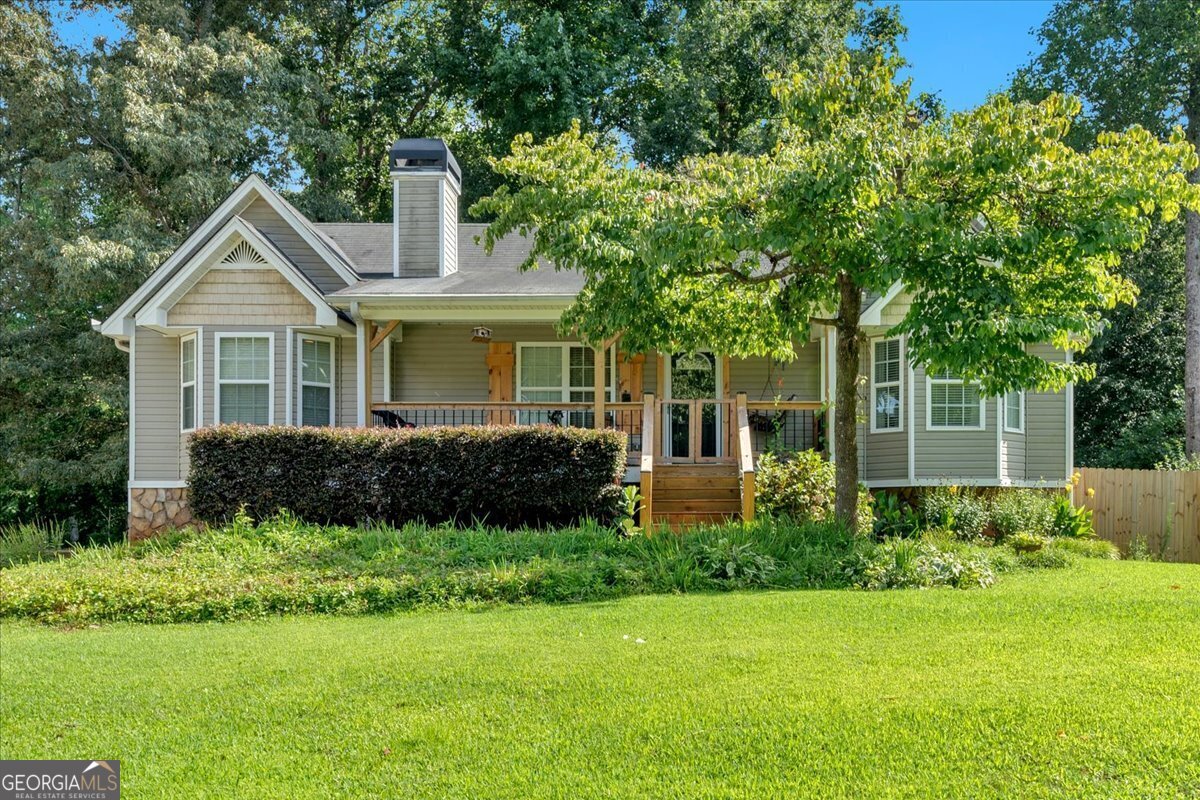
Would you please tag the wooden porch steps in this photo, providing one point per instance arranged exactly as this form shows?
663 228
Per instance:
695 494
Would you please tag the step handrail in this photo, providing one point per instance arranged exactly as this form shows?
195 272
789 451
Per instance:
648 410
745 457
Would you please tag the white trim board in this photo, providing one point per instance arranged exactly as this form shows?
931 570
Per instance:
1022 483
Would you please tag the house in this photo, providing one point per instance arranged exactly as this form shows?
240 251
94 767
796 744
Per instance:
263 316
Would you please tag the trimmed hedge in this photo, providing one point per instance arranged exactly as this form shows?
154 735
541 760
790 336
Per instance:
504 475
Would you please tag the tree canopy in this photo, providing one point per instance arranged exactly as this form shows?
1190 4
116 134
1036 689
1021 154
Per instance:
1004 235
1135 63
111 152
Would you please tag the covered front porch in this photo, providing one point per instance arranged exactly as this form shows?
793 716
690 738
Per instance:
695 423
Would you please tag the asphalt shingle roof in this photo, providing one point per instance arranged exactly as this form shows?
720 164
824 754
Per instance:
368 246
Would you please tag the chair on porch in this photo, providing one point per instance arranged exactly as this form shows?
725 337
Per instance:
390 419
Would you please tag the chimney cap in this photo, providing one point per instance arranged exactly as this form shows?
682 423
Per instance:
410 155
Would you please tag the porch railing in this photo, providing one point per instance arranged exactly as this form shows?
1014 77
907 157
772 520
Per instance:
623 417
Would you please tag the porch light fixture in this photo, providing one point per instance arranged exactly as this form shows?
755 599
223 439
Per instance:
481 334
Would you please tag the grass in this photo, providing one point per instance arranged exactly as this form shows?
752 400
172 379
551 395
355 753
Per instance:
1070 683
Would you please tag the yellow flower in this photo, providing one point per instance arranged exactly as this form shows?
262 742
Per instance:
1091 492
1075 476
953 490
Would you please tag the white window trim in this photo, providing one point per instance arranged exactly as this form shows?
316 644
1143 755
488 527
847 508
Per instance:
1020 428
301 383
566 387
217 338
929 426
899 384
194 383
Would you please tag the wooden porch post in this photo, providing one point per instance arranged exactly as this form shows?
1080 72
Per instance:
500 361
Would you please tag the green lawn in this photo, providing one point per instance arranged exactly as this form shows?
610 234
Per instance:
1069 683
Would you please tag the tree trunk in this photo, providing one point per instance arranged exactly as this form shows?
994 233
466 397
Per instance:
846 401
1191 266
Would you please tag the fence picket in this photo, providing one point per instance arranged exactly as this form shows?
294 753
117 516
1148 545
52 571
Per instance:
1129 503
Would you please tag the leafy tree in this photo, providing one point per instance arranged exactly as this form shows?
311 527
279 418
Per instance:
109 158
704 89
1004 235
1136 62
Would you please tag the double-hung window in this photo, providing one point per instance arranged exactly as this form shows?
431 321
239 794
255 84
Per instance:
887 388
316 380
187 383
1014 412
954 403
244 378
559 373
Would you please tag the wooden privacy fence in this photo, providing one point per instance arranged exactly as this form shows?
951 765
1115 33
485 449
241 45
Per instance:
1161 506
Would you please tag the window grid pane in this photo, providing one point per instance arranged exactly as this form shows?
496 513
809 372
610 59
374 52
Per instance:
541 367
244 402
314 405
316 360
244 358
954 405
188 411
187 360
887 408
887 361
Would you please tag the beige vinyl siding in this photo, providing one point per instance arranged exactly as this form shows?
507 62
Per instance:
417 216
649 375
156 435
964 454
233 297
882 456
1046 429
260 214
450 229
347 381
1012 458
439 362
768 379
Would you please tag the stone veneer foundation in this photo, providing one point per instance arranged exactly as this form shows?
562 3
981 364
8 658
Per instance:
154 510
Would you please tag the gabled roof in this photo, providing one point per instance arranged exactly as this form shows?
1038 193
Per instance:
154 310
118 324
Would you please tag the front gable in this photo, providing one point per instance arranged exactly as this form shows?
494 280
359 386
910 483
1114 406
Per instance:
311 254
238 278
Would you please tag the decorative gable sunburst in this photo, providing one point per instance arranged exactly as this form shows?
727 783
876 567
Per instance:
243 255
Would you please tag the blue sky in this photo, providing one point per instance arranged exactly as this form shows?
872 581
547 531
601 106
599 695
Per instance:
961 49
964 51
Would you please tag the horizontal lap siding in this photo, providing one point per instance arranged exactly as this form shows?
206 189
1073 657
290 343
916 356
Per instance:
953 454
439 362
1013 454
1046 429
235 297
767 379
418 217
157 439
285 237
